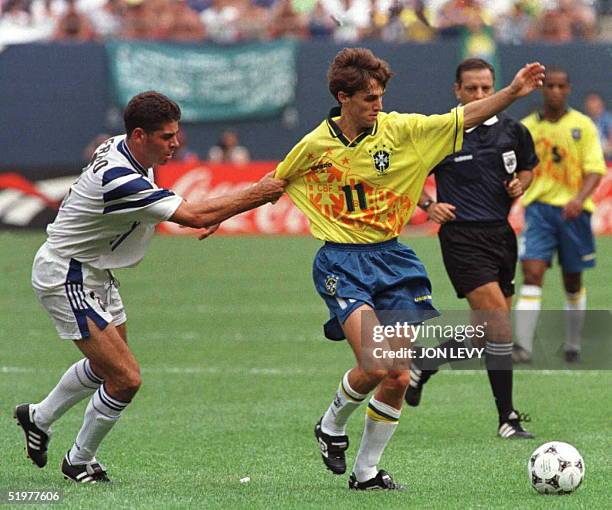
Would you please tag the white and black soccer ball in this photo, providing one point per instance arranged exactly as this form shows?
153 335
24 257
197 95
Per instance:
555 468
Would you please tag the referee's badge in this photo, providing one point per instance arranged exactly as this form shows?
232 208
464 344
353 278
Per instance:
331 283
509 161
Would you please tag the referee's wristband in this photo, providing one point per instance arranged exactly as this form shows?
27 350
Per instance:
426 205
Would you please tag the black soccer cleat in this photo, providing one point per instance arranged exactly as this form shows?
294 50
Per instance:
510 427
571 356
332 449
93 472
36 440
382 481
418 378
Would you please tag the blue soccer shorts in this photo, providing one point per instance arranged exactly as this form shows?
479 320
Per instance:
385 276
546 232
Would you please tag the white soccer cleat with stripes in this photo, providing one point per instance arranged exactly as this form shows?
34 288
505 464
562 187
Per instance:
36 440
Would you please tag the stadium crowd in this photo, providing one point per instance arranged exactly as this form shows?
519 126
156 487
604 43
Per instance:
345 21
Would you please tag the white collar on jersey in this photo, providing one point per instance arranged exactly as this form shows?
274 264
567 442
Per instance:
489 122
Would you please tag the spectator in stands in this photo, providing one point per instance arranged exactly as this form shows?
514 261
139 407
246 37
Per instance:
553 25
229 150
17 25
73 25
320 24
254 19
455 15
186 24
221 21
595 108
513 27
107 18
138 23
285 22
352 18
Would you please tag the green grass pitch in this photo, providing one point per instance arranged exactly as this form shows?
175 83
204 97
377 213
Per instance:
236 373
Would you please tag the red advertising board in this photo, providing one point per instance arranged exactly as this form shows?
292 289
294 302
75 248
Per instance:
195 180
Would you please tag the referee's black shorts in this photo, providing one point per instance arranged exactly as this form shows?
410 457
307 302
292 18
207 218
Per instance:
478 253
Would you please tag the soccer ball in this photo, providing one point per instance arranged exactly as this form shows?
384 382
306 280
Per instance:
555 468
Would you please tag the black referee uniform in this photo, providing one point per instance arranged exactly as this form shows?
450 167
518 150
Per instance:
479 246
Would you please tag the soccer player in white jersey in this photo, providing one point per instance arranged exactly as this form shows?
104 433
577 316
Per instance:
106 222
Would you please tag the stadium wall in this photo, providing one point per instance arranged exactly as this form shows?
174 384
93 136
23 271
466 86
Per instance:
56 97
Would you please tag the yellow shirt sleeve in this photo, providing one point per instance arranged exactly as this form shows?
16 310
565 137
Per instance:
592 154
296 163
436 136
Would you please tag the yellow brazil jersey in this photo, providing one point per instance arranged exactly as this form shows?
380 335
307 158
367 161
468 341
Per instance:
567 149
364 190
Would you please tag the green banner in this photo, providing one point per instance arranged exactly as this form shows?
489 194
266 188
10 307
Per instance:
209 83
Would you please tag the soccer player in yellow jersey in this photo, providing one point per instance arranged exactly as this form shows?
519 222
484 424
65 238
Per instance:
558 211
358 177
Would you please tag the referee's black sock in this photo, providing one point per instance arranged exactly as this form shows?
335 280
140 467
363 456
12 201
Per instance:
498 360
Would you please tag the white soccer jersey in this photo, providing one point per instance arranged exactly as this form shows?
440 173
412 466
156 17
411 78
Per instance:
109 215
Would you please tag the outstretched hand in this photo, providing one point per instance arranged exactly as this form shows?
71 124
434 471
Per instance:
528 78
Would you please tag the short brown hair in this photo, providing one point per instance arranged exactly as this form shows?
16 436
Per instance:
150 111
470 64
352 70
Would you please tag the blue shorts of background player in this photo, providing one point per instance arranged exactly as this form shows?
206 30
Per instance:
546 231
387 276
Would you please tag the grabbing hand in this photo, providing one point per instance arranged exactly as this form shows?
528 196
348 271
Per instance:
270 187
441 212
528 78
514 188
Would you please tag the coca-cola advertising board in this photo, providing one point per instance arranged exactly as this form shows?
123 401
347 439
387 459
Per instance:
30 199
196 180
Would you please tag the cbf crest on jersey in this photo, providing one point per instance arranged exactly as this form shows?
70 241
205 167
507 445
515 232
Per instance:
576 133
331 284
381 157
509 161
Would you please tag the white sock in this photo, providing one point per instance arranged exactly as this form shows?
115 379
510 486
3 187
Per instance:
78 382
341 408
380 424
528 307
575 311
101 414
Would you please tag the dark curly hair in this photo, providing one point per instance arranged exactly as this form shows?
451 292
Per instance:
472 64
352 70
150 111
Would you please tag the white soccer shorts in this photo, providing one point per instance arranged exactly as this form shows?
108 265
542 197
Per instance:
71 292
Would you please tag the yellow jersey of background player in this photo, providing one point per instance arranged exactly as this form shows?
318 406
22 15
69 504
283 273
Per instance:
365 190
568 149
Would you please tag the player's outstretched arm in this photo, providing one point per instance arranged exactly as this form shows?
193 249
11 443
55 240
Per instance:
211 211
529 78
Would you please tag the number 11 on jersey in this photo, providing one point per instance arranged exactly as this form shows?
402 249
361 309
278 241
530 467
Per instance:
361 197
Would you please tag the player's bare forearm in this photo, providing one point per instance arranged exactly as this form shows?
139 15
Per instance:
529 78
589 185
211 211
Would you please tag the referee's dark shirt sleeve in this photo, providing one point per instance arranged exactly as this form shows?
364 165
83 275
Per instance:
527 158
